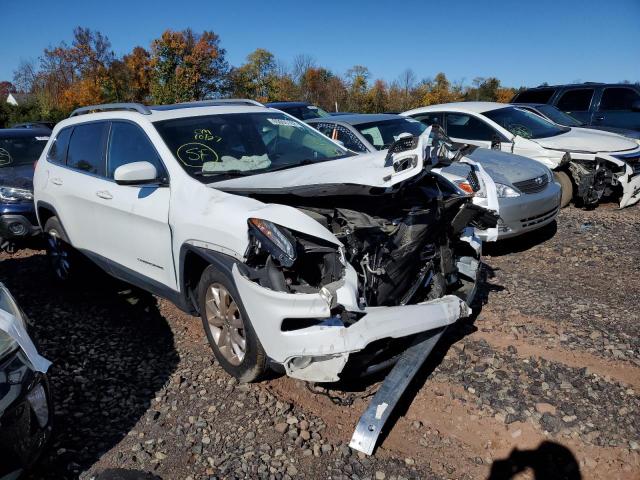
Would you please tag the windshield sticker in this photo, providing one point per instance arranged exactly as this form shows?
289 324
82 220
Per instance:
285 122
42 139
205 134
228 163
5 158
195 154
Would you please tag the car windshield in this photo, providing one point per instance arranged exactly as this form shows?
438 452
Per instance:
216 147
558 116
311 111
523 123
383 133
21 150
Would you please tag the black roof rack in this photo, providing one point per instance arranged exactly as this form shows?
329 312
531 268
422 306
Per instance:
108 107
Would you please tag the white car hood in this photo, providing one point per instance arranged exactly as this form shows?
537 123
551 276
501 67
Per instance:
586 140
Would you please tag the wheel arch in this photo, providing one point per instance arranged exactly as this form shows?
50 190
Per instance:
193 261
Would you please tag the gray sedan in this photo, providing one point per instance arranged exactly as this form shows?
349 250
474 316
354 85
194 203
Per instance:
529 198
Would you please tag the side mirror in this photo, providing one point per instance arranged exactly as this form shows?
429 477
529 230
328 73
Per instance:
635 106
136 173
496 143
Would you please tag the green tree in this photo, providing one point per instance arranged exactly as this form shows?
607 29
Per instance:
257 78
186 66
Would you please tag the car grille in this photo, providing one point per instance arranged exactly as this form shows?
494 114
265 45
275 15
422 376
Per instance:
472 178
533 185
528 222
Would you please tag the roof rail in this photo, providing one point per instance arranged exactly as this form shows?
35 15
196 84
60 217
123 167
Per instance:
208 103
107 107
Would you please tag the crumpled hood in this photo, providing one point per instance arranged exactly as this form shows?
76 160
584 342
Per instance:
507 168
587 140
367 169
20 176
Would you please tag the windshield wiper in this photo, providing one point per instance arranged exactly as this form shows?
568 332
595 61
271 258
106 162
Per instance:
294 165
227 173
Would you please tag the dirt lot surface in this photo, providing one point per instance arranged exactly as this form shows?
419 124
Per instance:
545 378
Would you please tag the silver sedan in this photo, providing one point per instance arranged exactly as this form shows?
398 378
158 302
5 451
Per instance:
528 196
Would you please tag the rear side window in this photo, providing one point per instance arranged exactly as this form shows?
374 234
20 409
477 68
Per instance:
58 151
460 125
618 98
127 144
537 95
86 148
577 100
429 118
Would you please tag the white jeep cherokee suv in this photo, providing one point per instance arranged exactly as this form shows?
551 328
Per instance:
293 251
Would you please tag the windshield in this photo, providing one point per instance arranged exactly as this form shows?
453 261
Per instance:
558 116
241 144
21 150
383 133
524 124
311 111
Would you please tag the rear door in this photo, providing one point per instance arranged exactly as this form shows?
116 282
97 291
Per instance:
135 218
614 108
76 174
577 103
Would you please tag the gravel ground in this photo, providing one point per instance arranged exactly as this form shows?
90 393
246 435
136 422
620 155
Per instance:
547 374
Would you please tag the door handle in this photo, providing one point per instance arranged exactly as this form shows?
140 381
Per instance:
56 181
104 194
599 118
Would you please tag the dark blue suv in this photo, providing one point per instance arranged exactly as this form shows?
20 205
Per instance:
614 105
20 148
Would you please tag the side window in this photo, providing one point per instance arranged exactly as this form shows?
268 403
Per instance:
324 128
349 140
577 100
619 98
58 151
535 95
461 125
128 143
429 118
86 147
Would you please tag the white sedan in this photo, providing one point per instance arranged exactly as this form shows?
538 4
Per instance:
587 163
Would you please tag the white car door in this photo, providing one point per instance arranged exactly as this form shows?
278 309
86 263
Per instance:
76 175
136 233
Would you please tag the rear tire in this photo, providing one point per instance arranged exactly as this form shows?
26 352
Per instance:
232 338
566 184
63 257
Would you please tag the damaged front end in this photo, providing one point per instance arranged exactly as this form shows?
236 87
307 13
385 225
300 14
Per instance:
401 261
605 175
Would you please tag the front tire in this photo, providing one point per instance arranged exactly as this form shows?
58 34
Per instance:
228 328
62 256
566 185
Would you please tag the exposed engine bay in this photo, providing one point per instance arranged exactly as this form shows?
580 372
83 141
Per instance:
405 244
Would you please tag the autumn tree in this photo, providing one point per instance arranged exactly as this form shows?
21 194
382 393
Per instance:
357 79
257 77
186 66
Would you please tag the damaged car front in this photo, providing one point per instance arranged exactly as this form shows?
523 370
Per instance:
344 261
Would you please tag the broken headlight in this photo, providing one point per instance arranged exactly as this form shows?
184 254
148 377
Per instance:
274 240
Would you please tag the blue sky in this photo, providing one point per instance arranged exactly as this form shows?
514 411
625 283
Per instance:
521 43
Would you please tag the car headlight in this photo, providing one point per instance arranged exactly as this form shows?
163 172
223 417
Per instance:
15 195
505 191
465 186
274 240
7 344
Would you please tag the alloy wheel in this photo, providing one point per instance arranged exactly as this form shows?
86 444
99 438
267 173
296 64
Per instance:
226 323
59 255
